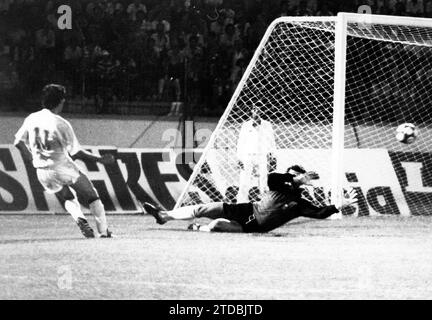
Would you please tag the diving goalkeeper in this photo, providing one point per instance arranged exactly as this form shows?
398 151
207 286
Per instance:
282 203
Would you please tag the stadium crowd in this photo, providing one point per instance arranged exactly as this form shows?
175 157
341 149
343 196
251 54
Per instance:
148 50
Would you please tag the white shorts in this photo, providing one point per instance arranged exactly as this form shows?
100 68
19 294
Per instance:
53 179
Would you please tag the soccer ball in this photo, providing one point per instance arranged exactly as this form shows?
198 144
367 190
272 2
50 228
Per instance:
406 133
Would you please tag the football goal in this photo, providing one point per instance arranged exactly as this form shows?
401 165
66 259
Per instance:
334 90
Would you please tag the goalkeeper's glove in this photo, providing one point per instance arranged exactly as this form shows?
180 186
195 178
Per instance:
348 199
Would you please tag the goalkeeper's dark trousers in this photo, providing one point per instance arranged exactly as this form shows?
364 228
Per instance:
239 213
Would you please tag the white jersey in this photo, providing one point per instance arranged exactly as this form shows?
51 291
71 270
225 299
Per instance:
255 142
50 139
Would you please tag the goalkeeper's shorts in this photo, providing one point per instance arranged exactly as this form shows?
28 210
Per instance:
243 214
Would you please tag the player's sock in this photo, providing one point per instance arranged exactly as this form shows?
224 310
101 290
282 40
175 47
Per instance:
98 211
74 209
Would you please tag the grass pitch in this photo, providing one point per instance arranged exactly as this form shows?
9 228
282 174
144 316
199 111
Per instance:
45 257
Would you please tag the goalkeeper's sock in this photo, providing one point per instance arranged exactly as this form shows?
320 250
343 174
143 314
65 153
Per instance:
183 213
205 228
98 211
197 227
74 209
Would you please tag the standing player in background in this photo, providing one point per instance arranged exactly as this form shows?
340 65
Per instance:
256 146
49 141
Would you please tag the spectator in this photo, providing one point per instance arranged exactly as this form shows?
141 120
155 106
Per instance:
242 25
105 72
214 3
73 55
45 37
415 8
228 14
313 6
5 5
45 42
162 18
256 31
283 9
239 52
8 78
17 34
73 52
217 25
142 24
194 64
119 23
381 4
237 73
134 7
119 8
95 51
400 8
213 72
228 38
324 11
194 31
98 15
212 47
175 70
161 39
151 69
5 51
51 14
109 8
126 85
302 9
428 9
383 8
92 5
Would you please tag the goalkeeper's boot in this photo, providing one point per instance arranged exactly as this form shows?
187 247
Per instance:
85 228
153 211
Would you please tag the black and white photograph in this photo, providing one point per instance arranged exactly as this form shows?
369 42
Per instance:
228 152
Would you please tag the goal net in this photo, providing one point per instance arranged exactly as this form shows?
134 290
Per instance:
333 90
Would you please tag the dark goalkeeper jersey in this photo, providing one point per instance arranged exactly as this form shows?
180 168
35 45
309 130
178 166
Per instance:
283 203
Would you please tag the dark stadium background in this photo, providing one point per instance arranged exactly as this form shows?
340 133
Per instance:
140 56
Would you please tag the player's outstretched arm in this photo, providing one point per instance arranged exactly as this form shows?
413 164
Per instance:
307 209
86 155
76 151
20 145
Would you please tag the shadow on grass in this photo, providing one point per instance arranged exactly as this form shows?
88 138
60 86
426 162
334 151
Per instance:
271 234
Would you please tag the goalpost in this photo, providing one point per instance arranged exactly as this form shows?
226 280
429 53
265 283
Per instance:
334 90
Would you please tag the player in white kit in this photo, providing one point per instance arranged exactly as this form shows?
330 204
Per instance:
256 147
49 141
